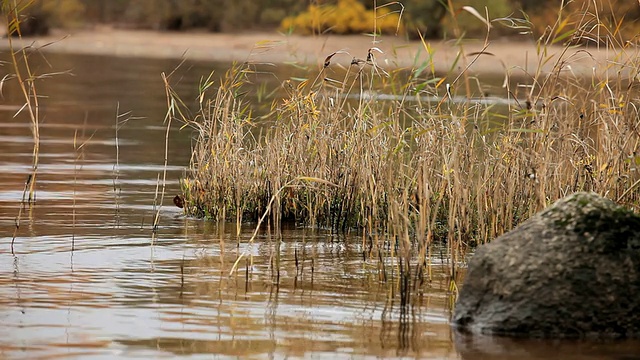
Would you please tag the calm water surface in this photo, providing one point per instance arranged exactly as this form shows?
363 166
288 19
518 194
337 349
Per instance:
88 278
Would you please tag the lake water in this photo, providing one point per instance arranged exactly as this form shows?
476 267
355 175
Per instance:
89 279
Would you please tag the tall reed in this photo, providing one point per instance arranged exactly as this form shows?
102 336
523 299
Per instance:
26 78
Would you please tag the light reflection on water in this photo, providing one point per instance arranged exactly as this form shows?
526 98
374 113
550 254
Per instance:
126 293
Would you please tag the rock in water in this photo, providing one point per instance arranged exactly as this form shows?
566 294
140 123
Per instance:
572 270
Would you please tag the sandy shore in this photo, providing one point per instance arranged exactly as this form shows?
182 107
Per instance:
516 57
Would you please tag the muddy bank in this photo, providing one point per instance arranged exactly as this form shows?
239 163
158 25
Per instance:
517 58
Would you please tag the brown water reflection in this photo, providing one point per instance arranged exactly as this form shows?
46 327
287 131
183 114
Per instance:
124 292
336 308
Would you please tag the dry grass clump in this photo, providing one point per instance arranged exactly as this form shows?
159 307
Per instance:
444 159
425 166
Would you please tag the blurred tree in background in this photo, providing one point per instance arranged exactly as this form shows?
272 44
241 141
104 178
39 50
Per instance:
212 15
424 17
585 21
579 20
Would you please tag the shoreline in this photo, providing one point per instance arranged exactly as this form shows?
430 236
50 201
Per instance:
500 56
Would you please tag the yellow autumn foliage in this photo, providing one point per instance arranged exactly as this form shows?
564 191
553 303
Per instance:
345 17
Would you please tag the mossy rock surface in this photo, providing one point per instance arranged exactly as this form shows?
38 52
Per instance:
572 270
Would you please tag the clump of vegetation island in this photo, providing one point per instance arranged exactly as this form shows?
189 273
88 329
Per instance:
430 164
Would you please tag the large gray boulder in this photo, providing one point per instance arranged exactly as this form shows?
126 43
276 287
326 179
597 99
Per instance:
572 270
